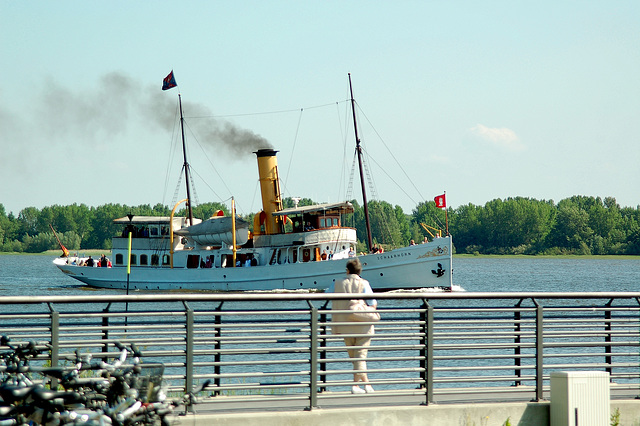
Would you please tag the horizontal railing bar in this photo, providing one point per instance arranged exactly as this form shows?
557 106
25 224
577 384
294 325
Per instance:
588 344
320 297
485 379
484 367
257 325
485 390
586 355
480 320
130 314
478 357
601 365
23 329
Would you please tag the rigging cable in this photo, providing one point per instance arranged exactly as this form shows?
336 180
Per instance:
349 193
393 156
284 111
343 171
295 140
177 190
372 186
390 178
210 162
172 149
367 172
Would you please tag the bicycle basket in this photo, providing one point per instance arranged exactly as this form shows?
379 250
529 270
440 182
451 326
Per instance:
149 381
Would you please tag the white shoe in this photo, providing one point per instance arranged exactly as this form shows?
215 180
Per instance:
368 389
357 389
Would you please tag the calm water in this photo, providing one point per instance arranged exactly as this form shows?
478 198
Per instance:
547 274
31 275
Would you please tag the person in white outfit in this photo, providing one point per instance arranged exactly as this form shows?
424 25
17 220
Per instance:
357 347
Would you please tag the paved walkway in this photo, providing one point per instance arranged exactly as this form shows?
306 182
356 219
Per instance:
484 406
339 400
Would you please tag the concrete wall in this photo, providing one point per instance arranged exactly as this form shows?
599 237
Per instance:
629 411
486 414
521 414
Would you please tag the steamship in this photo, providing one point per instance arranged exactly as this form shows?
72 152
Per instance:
299 248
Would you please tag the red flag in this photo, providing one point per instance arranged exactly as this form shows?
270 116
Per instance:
169 81
441 201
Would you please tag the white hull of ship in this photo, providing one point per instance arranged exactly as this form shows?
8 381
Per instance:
419 266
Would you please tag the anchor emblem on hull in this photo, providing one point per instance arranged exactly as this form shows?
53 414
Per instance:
438 272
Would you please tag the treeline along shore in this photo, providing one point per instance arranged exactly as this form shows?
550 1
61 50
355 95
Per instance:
582 225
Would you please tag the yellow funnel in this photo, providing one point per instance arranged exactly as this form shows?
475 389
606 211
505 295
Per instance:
270 189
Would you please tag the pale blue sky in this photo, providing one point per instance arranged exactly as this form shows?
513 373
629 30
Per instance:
482 99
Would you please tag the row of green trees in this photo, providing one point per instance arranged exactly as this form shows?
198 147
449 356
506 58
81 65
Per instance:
576 225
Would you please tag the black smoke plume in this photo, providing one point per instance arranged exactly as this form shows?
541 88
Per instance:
120 102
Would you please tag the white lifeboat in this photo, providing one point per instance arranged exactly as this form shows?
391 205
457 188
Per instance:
216 231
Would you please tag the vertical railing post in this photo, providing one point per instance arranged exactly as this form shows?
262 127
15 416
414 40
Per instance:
217 357
313 358
55 341
637 299
105 331
607 337
539 351
322 348
517 360
188 386
426 358
423 345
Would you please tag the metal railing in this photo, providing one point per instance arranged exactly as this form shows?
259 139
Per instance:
279 347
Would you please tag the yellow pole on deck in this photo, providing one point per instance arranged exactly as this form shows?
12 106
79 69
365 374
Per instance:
126 318
233 228
129 261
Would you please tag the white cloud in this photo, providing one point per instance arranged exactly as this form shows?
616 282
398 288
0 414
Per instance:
500 137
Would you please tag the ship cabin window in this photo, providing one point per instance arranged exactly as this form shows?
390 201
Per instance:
119 258
154 231
155 260
144 260
311 224
305 223
136 231
328 222
306 255
193 261
129 229
134 259
166 259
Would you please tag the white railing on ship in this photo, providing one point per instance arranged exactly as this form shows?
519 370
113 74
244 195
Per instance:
429 346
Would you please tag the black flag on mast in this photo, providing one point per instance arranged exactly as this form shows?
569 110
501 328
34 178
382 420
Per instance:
169 81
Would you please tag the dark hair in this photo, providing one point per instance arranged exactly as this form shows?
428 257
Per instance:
354 266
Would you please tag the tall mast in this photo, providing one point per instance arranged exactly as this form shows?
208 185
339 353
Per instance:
362 184
186 164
